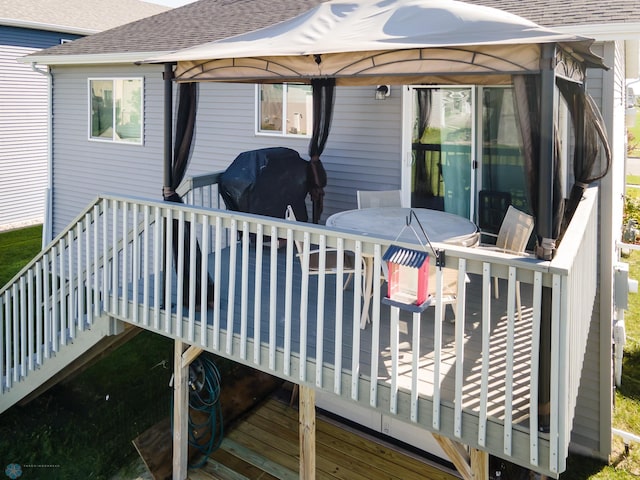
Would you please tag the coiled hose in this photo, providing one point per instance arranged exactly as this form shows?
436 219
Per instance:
204 397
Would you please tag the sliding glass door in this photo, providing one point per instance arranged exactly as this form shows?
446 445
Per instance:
442 152
463 156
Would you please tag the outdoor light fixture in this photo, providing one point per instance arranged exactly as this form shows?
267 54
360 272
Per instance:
383 91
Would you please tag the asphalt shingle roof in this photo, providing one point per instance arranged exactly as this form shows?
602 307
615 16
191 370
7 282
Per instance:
96 15
208 20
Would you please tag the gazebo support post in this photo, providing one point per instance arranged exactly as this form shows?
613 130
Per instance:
546 246
167 76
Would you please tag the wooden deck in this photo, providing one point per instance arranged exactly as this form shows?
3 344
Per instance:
339 326
265 445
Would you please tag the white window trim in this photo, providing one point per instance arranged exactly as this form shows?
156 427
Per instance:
89 119
272 133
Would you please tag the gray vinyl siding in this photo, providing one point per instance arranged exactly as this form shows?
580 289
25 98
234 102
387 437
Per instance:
592 423
362 150
23 128
82 169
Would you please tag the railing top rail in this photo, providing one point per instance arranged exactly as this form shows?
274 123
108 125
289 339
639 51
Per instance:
567 252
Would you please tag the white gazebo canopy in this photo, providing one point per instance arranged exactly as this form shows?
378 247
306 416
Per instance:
360 42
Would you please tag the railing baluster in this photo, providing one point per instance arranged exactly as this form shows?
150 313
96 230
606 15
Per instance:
62 283
257 288
23 326
124 308
337 358
114 258
193 281
394 344
273 297
535 377
355 351
135 264
47 315
5 343
89 273
157 267
204 281
486 352
508 387
168 269
71 301
415 366
16 337
322 261
105 257
304 305
288 288
180 275
460 315
375 328
80 267
96 266
233 253
244 290
437 349
217 269
146 270
56 306
30 320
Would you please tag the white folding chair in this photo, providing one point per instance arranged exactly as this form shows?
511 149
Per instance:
331 257
379 198
513 236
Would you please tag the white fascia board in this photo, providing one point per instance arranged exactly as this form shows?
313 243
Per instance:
605 31
90 59
10 22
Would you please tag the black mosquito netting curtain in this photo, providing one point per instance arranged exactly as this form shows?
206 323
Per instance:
184 132
427 182
589 135
323 95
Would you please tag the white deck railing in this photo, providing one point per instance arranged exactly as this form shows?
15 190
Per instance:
266 310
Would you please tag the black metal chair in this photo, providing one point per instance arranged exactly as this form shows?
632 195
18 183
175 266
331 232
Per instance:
492 207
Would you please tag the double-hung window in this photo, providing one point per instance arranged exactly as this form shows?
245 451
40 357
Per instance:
284 109
116 109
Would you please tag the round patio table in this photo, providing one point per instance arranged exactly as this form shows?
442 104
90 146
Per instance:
390 223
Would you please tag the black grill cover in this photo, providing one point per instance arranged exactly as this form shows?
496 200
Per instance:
265 181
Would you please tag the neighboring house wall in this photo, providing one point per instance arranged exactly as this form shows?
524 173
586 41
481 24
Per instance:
23 127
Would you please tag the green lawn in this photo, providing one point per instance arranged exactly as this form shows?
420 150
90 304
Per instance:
634 137
17 248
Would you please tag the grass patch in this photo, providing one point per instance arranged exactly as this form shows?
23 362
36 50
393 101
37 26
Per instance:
17 248
84 427
633 179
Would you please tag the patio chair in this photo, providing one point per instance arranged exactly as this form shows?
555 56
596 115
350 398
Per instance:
513 237
378 198
331 258
492 207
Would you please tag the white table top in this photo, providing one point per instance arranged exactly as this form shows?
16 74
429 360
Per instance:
388 222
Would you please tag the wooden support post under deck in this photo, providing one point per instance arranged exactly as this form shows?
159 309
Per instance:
307 432
181 361
471 466
479 464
